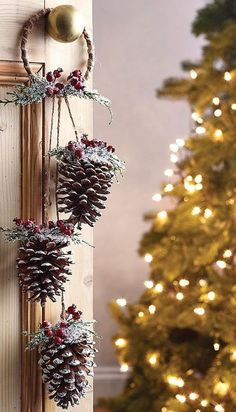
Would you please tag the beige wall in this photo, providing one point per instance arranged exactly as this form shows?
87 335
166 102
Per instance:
138 44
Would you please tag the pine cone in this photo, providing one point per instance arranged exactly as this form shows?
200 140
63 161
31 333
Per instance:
83 189
66 361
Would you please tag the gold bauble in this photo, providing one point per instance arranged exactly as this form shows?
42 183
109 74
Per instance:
65 24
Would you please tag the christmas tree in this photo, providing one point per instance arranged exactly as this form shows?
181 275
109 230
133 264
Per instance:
179 340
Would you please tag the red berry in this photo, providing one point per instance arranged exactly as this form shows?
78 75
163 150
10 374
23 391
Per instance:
45 324
49 332
57 72
73 81
50 77
63 324
70 146
51 224
18 221
56 91
79 153
79 86
37 229
57 340
71 309
60 86
77 73
49 91
60 332
109 148
77 316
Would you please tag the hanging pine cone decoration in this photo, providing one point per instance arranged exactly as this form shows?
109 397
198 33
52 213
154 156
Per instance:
43 263
86 173
66 357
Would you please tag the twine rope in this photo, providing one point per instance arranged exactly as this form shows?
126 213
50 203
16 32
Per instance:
71 117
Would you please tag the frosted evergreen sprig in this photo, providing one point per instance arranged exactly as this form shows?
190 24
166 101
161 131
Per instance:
92 150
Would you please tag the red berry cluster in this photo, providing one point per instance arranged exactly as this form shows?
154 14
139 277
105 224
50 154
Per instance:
77 149
66 228
75 79
58 333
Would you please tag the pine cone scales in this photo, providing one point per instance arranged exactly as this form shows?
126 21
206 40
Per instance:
43 267
83 189
65 368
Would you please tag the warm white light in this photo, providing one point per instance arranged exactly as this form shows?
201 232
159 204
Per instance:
153 358
174 158
124 367
211 295
193 74
221 264
199 311
181 398
218 134
162 215
141 315
219 408
200 130
233 106
183 283
179 296
227 76
120 342
216 346
204 403
121 302
149 284
233 356
198 186
196 210
208 213
227 253
218 113
169 172
148 258
164 409
198 179
189 178
216 101
180 142
168 188
195 116
152 309
174 147
175 381
190 187
193 396
159 288
202 283
157 197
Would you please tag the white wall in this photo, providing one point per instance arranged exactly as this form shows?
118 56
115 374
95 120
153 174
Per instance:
138 44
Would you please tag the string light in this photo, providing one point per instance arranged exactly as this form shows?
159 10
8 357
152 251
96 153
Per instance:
221 388
218 113
195 116
149 284
216 101
164 409
174 147
219 408
200 130
189 178
169 172
233 106
198 186
227 76
141 315
193 396
204 403
202 283
218 134
193 74
216 346
184 282
120 342
175 381
211 295
124 367
199 311
233 356
227 253
180 142
168 188
181 398
157 197
153 358
179 296
221 264
162 215
121 302
196 210
148 258
208 213
159 288
198 179
190 187
174 158
152 309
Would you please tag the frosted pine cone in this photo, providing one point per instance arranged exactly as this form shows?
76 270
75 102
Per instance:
66 357
43 263
87 171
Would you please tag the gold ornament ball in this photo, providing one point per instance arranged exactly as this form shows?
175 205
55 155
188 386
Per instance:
65 24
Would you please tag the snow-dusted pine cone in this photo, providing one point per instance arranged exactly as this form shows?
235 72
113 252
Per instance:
66 357
86 173
42 263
